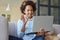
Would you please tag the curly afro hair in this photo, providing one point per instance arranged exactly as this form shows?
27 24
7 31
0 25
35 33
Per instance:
25 3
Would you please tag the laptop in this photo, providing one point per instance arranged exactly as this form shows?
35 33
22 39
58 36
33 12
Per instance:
42 21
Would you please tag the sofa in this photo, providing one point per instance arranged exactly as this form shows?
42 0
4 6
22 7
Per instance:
57 28
7 30
11 29
3 28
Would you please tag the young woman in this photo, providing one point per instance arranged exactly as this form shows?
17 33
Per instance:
25 23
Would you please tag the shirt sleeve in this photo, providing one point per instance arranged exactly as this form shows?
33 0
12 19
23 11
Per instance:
19 26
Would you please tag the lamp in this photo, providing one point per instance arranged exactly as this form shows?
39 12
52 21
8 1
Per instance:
8 8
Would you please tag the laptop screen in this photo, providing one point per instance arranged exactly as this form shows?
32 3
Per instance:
42 21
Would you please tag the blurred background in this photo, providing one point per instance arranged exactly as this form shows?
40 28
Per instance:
11 9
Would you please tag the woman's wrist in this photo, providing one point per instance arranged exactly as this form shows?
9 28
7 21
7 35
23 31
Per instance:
24 23
23 28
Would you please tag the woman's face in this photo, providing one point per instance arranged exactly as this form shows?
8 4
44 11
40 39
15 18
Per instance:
28 11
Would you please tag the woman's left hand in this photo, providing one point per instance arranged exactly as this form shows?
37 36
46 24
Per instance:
41 32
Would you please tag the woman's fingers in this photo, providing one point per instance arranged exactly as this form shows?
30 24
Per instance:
23 19
26 19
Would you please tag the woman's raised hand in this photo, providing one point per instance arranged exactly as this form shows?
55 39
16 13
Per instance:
24 19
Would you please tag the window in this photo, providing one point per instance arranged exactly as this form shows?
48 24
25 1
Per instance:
54 2
43 11
50 7
54 12
43 1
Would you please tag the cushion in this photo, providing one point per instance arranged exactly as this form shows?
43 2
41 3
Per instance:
3 28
